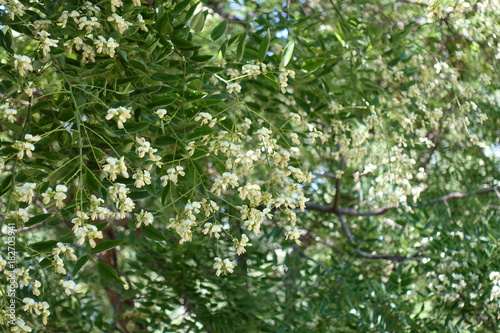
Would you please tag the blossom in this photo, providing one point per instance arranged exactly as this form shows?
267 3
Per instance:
251 69
20 214
106 46
114 167
8 113
223 266
212 229
283 78
121 114
60 195
23 64
206 118
143 218
241 244
21 326
222 183
144 147
172 175
26 192
115 4
251 192
141 178
36 288
58 265
294 233
233 87
142 23
88 25
161 113
120 22
46 42
70 286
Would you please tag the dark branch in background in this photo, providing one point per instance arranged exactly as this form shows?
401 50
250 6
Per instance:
216 6
390 257
484 46
302 253
414 3
383 210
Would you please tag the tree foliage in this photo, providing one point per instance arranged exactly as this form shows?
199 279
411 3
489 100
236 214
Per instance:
248 166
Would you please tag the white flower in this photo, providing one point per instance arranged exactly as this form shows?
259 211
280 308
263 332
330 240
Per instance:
222 183
141 178
23 64
212 229
252 192
21 326
7 113
36 288
253 70
142 23
233 87
294 234
20 214
172 175
58 265
120 22
223 266
70 286
26 192
106 46
46 42
206 118
121 114
115 4
144 217
60 195
114 167
240 245
161 113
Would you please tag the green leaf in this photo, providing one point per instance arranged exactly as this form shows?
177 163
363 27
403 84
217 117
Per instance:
132 128
240 49
180 7
162 77
108 273
153 233
287 53
106 245
37 219
198 21
218 31
7 182
80 263
313 64
264 46
45 263
45 246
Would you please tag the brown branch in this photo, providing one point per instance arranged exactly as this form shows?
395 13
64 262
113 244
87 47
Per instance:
390 257
383 210
216 6
421 4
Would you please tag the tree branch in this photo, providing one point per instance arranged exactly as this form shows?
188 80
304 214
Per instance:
216 6
383 210
390 257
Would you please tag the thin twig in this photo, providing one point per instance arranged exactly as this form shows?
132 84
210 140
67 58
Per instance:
390 257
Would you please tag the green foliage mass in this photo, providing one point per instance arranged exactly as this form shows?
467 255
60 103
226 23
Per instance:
249 166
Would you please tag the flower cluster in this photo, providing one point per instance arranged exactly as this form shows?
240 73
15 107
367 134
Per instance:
120 114
7 113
